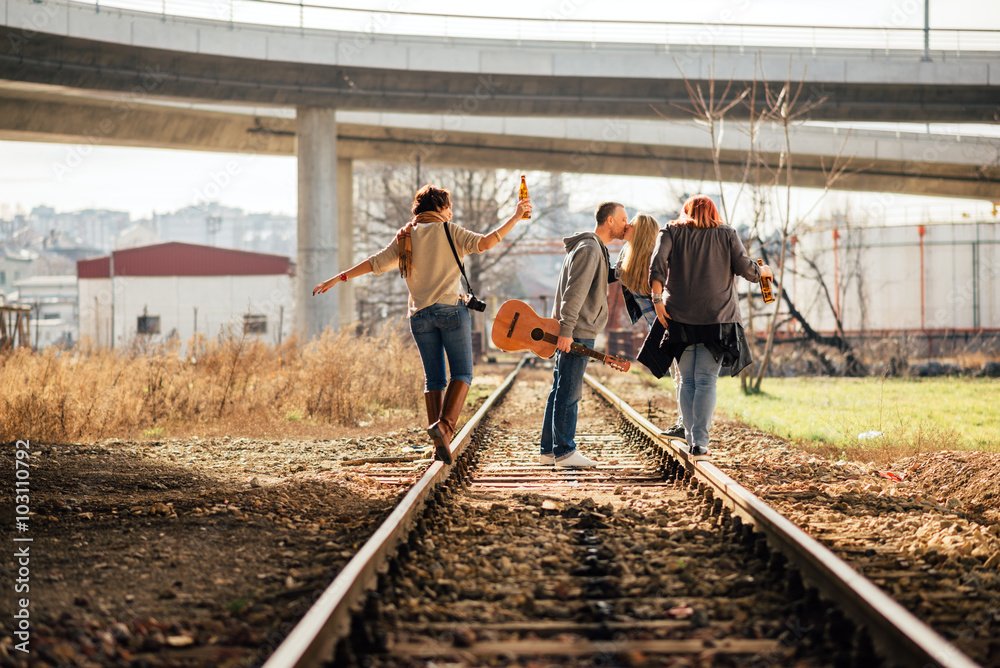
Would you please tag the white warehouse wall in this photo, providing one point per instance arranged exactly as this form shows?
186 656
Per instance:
220 300
880 277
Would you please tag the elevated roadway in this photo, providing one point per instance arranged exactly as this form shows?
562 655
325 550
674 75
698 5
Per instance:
884 161
75 71
84 45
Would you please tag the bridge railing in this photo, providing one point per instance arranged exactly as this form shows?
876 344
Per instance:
565 26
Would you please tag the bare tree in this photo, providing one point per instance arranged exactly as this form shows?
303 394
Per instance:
481 199
711 110
382 205
785 106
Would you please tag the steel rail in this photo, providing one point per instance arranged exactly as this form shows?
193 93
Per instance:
314 638
899 635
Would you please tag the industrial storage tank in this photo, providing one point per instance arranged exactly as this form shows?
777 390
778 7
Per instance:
938 283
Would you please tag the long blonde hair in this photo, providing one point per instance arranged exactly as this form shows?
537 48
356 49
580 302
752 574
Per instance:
636 254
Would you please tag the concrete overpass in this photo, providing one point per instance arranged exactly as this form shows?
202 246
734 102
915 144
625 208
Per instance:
479 85
908 163
84 46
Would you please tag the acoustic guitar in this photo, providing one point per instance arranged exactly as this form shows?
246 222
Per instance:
517 327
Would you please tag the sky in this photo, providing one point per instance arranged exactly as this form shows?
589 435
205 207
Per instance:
143 181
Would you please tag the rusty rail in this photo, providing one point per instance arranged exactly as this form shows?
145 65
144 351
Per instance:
314 638
896 632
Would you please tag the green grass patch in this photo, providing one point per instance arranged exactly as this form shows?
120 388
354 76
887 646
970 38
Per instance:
827 415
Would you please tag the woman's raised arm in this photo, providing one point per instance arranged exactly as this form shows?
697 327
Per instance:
494 237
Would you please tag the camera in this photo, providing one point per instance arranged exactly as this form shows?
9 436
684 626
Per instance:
474 303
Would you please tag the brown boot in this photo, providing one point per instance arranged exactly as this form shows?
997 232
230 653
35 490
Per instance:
433 399
442 430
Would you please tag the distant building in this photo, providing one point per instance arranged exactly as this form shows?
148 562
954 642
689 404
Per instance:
136 235
937 283
87 228
55 315
64 245
178 289
15 265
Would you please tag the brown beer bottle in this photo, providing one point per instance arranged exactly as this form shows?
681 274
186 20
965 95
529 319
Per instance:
523 194
765 287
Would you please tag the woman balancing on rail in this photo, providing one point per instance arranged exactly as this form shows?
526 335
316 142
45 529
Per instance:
632 271
439 319
697 258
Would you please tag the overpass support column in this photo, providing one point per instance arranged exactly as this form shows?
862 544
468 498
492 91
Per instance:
316 149
345 244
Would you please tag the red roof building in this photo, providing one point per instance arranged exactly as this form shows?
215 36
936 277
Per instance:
179 290
180 259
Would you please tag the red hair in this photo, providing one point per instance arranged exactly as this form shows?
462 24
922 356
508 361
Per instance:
700 211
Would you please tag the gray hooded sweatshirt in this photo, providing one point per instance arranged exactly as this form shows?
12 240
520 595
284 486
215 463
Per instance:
581 302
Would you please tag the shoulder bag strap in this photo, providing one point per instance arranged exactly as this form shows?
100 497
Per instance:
461 266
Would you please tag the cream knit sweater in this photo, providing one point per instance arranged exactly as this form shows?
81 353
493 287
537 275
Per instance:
435 277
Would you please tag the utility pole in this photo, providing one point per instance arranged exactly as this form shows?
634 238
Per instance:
111 275
212 226
927 32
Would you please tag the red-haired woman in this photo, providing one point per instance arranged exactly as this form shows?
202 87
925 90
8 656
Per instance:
697 259
439 321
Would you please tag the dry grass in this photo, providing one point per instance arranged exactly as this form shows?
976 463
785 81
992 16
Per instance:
232 385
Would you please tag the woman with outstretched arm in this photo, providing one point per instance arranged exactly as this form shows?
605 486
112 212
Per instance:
439 321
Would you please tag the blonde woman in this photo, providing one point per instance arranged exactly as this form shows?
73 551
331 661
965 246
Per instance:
633 272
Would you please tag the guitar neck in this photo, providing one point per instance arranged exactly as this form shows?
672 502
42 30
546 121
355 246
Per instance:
584 350
580 349
575 347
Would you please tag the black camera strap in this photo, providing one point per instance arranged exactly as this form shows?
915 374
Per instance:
461 266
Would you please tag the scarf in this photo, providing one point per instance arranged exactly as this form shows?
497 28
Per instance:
403 238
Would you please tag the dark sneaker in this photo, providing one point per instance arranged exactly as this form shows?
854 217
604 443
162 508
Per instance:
677 431
699 451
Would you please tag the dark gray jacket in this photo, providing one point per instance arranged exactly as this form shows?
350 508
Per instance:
581 302
699 267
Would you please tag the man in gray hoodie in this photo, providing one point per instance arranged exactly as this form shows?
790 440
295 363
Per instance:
581 307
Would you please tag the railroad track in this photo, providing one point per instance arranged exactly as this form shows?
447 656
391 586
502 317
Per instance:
650 559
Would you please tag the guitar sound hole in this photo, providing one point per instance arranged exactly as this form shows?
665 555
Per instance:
537 334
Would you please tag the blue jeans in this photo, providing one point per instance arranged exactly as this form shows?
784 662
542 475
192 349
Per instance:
438 330
559 424
699 371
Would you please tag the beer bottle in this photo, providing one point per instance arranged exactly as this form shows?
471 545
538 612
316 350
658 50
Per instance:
524 195
765 287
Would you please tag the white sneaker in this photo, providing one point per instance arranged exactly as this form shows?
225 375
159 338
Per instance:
574 460
547 460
